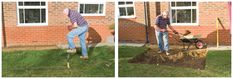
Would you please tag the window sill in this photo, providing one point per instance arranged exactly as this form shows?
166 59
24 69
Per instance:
33 24
133 17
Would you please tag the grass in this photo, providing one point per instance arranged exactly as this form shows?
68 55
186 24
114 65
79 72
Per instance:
52 63
218 64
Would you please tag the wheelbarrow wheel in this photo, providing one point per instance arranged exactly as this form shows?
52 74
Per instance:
200 44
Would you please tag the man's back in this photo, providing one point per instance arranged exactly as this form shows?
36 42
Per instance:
77 17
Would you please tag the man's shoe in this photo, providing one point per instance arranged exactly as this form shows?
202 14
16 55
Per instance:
160 52
167 53
84 57
71 51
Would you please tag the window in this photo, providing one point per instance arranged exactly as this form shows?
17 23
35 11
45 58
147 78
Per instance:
184 13
126 9
32 13
92 9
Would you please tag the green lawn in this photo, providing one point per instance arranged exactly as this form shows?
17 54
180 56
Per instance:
218 65
52 63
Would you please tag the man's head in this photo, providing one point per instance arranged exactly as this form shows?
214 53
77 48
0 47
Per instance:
165 14
66 11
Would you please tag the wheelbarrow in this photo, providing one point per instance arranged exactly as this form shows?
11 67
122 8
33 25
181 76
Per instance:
189 39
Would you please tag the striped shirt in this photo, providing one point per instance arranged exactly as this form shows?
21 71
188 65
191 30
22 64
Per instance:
76 17
162 23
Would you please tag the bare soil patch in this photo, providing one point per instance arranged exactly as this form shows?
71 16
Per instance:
193 58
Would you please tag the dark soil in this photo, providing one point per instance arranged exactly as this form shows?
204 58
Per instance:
194 58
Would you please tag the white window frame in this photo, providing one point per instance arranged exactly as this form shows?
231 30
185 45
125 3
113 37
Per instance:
30 7
132 5
185 7
95 2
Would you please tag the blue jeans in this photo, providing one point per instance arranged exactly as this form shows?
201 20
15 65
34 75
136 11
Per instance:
81 33
162 40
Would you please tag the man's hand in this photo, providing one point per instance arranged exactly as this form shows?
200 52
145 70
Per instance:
174 31
155 27
74 25
70 27
163 30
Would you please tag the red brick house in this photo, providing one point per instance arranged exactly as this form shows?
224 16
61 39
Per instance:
43 23
198 17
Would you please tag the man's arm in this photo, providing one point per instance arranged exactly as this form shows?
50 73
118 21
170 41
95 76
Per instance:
158 28
155 26
74 25
173 30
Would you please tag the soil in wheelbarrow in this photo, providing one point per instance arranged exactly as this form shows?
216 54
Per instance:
195 58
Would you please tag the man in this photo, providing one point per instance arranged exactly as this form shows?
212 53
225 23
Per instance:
79 27
161 32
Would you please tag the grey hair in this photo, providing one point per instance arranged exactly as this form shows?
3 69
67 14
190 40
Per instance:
167 12
66 11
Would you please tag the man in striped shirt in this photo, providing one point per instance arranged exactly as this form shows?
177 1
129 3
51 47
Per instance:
78 28
161 31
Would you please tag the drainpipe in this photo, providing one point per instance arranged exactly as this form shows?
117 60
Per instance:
3 26
147 20
157 8
229 14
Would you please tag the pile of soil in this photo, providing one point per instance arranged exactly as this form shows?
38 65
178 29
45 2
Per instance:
194 58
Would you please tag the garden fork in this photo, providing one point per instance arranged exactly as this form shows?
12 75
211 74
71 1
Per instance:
68 60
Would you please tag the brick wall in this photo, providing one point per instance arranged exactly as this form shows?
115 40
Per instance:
132 30
55 32
208 11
